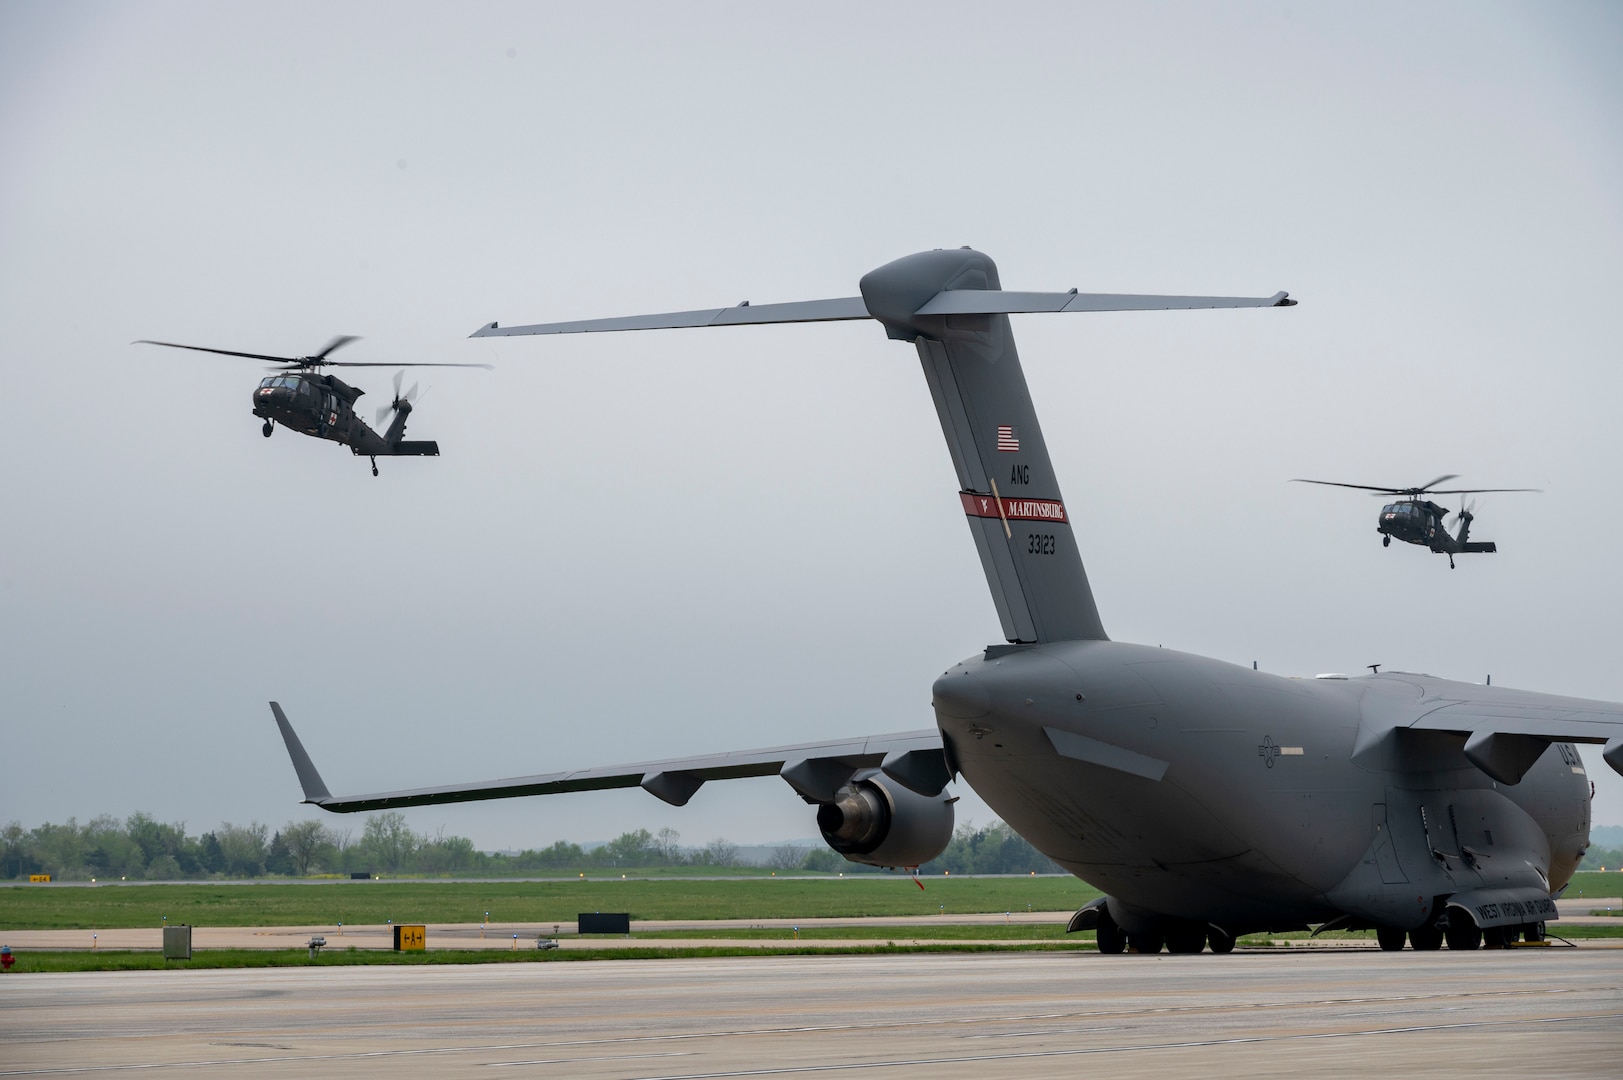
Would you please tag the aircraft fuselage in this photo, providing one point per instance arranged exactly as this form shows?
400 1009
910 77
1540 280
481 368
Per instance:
1122 763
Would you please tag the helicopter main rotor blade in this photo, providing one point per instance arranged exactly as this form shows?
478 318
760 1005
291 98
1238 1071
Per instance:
348 363
1361 487
336 343
223 352
1423 488
1473 491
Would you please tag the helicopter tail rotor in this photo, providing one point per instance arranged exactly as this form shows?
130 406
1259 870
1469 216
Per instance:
1463 518
402 403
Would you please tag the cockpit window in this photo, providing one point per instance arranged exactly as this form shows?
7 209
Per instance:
280 380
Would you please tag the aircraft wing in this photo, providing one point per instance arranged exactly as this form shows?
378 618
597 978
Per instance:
914 759
1507 730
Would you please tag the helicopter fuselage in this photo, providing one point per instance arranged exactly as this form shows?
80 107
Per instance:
318 405
1420 521
1414 521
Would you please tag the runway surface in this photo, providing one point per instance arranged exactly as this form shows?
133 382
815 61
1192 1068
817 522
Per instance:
1308 1013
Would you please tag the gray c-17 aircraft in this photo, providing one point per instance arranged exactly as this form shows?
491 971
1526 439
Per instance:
1206 800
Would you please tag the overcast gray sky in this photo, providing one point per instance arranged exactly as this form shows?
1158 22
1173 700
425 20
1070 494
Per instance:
661 544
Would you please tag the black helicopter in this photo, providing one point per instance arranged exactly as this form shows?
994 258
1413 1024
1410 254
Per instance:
297 397
1416 520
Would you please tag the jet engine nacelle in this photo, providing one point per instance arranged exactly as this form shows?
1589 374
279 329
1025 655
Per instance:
877 821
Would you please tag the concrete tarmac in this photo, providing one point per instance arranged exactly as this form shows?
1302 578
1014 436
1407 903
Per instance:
1321 1012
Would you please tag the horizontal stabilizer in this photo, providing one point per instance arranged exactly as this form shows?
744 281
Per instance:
1479 547
844 308
997 302
419 448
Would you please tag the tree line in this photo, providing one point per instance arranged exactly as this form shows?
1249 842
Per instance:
142 848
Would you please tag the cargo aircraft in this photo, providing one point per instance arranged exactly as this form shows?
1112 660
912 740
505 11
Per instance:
1205 800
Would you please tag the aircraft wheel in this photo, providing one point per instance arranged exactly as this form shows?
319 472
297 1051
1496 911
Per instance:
1386 541
1219 941
1390 938
1462 933
1148 944
1533 931
267 429
1111 940
1425 939
1186 938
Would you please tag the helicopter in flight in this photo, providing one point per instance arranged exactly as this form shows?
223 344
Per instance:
1417 520
297 396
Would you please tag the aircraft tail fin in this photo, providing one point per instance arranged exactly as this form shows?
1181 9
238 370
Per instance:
1007 486
951 306
315 790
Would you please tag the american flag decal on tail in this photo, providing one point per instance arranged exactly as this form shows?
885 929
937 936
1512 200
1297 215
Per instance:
1007 438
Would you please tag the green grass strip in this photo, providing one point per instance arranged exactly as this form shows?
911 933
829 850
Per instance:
360 903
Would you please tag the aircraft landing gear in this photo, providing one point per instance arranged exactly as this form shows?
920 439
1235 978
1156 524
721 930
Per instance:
1451 560
1426 938
1109 936
1390 938
374 466
1147 944
1462 933
1386 541
1186 937
267 429
1219 941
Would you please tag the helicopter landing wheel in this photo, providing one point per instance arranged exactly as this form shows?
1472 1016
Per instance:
374 466
1386 541
267 429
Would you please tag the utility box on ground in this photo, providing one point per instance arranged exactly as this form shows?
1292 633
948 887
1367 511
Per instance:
177 942
601 922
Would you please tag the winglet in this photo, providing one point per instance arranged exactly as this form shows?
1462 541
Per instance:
314 790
